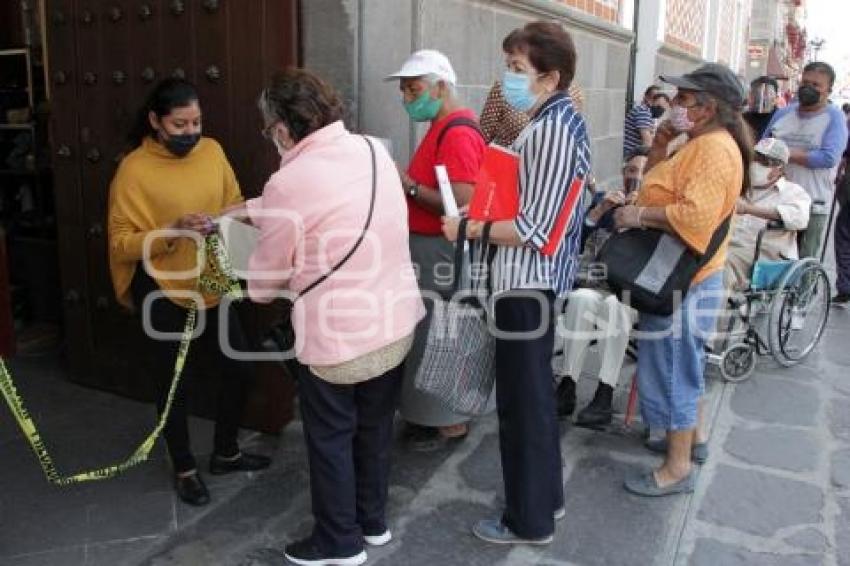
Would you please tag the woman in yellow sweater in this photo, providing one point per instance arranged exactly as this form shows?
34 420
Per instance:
161 204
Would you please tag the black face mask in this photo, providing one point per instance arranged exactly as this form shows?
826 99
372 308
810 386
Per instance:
808 95
657 111
181 145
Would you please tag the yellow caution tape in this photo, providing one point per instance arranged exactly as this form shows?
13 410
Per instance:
217 278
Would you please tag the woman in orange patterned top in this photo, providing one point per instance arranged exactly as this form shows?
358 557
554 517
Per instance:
688 195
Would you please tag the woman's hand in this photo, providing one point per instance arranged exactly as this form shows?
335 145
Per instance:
613 199
628 217
451 228
197 222
451 225
664 135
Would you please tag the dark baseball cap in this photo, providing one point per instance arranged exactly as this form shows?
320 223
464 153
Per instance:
712 78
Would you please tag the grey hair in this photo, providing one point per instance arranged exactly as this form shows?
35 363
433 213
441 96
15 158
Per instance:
434 79
264 105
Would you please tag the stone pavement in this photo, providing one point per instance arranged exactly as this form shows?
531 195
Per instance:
776 490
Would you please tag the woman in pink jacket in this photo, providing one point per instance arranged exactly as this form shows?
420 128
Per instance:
355 328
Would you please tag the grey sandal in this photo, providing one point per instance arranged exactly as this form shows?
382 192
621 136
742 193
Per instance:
643 483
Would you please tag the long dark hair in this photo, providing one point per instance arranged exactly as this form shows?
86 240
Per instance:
167 95
730 118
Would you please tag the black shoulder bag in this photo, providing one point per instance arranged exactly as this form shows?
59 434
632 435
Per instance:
651 270
281 337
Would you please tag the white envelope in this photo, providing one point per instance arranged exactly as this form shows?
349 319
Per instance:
240 239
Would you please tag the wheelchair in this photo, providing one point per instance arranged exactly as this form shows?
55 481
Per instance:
782 313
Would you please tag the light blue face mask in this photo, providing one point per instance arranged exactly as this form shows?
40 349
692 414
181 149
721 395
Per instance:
517 90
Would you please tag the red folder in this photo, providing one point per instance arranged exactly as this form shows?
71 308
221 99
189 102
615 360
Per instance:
496 195
556 237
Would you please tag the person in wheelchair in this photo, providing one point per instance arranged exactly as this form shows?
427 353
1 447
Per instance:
770 200
778 303
593 313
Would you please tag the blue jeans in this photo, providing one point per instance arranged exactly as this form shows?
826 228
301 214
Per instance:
671 357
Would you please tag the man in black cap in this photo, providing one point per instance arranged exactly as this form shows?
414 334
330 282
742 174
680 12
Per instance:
763 93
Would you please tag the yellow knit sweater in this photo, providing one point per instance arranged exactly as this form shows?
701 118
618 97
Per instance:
151 190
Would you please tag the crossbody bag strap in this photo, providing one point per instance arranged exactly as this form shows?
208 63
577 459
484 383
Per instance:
716 241
362 236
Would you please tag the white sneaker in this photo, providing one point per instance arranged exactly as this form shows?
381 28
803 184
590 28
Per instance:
378 540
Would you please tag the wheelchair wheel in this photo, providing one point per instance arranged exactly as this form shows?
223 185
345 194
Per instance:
798 313
738 362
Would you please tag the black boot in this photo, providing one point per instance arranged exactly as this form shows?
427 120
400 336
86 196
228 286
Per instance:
565 397
192 489
599 411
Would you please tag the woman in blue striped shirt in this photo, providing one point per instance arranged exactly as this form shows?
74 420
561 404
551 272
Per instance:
554 153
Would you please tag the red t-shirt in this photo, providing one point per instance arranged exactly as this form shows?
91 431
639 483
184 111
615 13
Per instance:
461 151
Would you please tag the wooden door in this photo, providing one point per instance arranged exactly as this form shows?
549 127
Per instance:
104 56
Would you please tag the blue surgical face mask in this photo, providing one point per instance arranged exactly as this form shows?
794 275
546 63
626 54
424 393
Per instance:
516 88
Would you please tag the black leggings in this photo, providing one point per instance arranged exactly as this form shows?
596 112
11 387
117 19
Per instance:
166 316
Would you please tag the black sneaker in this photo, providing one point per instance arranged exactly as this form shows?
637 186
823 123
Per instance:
599 411
841 300
245 462
192 490
420 438
307 553
565 397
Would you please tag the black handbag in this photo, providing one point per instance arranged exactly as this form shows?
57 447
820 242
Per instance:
281 337
651 270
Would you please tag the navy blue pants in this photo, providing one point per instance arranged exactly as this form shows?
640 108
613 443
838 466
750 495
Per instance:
529 438
348 430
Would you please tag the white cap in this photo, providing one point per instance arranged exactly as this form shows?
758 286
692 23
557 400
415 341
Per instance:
775 149
426 62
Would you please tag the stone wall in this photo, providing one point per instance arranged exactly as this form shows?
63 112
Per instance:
356 43
672 61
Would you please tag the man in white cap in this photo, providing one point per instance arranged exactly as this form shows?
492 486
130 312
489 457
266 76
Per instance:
427 83
771 197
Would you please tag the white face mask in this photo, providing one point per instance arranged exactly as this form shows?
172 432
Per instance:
759 175
679 119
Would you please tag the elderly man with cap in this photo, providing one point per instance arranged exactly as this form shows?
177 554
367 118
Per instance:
770 197
427 83
689 195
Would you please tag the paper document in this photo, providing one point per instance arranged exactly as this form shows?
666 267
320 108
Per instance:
449 202
240 239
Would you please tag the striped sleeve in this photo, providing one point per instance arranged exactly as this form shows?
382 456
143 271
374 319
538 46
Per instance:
547 167
643 118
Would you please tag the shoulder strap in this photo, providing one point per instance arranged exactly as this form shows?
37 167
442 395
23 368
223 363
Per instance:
362 236
716 240
460 121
